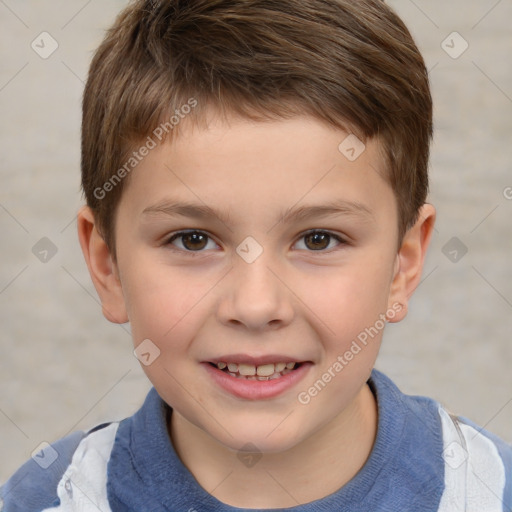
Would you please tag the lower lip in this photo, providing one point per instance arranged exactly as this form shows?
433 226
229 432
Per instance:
257 389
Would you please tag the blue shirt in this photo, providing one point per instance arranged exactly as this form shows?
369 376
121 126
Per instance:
423 459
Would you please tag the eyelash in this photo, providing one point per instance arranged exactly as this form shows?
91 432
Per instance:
181 234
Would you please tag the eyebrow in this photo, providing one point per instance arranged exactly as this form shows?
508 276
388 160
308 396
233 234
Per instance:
333 208
292 214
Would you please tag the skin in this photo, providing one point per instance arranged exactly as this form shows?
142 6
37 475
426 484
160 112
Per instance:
295 300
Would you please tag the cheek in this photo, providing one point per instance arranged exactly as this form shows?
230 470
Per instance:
156 313
163 302
348 298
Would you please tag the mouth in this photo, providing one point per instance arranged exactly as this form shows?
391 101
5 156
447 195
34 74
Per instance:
262 372
256 378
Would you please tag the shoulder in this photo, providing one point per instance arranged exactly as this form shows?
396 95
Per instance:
34 487
478 465
470 467
409 444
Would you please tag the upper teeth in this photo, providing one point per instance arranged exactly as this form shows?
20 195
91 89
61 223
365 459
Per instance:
264 370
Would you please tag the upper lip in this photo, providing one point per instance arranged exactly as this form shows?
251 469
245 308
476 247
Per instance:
255 360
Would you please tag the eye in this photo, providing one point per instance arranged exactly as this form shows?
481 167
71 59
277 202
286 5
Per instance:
191 241
198 241
320 240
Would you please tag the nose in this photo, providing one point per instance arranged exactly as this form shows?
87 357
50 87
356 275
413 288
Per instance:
254 297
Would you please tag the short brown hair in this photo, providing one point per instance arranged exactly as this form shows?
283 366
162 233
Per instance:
352 64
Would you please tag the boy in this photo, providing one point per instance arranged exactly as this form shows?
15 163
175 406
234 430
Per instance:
256 181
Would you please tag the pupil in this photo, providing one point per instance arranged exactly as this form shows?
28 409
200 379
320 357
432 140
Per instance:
319 241
194 241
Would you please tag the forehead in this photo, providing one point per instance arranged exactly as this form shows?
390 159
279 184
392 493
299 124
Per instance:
242 166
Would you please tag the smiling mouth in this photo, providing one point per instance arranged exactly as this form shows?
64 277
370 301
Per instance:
262 372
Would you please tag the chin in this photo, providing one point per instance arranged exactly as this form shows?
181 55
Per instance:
260 440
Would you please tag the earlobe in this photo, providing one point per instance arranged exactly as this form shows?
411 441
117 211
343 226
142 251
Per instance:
410 260
102 268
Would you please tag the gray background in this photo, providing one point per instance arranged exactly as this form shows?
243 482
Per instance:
64 367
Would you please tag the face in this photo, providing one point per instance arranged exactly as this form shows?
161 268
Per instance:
258 243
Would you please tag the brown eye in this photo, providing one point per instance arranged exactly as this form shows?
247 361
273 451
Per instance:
195 241
317 241
192 241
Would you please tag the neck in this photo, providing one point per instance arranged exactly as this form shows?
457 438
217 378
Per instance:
311 470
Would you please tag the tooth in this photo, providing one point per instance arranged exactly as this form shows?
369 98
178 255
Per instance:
232 367
265 370
221 365
290 366
262 378
246 369
280 367
274 376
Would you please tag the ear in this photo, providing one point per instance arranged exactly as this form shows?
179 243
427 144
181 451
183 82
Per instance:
102 267
409 262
